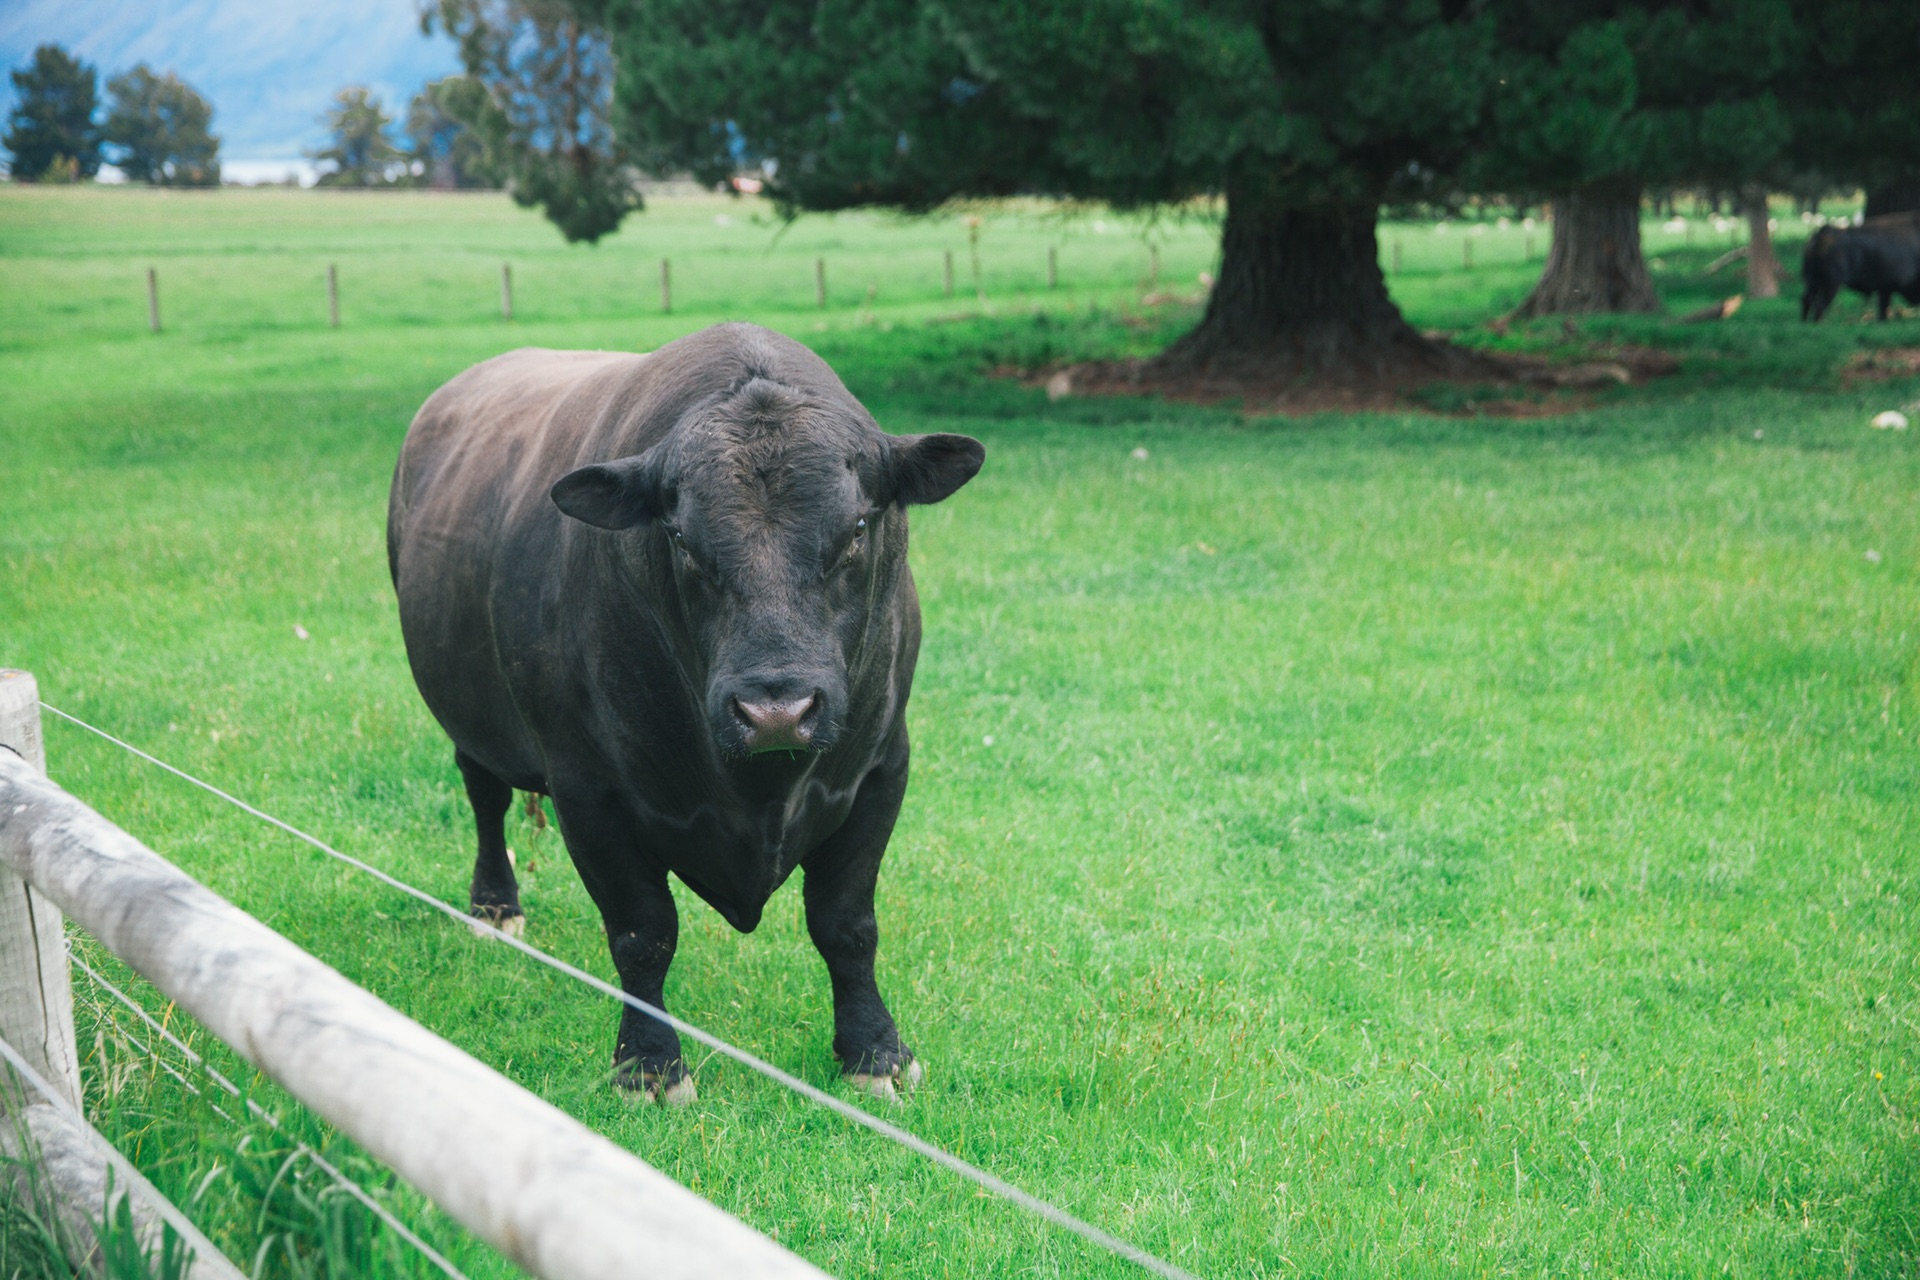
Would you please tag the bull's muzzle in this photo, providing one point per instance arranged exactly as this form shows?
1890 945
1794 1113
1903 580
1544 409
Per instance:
785 725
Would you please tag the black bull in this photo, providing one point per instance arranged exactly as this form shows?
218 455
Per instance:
1879 259
671 592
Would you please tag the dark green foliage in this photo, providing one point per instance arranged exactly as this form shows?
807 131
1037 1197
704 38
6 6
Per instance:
1663 94
447 129
51 133
545 122
1300 117
164 130
1855 94
362 155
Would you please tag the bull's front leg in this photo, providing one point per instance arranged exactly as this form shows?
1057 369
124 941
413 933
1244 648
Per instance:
840 880
643 930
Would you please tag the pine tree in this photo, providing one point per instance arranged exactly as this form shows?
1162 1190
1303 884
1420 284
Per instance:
51 126
163 129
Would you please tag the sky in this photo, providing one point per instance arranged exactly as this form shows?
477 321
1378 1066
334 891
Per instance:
269 67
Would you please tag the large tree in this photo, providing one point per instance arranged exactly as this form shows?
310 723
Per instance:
545 118
52 120
163 130
1302 116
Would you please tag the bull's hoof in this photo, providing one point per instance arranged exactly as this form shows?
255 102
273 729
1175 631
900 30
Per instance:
509 920
674 1086
903 1079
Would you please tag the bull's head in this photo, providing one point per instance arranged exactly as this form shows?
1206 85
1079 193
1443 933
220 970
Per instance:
1821 273
772 522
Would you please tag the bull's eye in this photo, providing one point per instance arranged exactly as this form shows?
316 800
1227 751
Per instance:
680 545
859 538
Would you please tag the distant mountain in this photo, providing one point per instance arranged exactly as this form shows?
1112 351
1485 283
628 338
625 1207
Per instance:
268 66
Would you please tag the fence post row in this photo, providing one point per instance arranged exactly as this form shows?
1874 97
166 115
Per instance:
506 291
666 287
333 297
153 300
560 1200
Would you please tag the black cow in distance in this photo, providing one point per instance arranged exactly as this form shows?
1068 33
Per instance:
671 592
1879 259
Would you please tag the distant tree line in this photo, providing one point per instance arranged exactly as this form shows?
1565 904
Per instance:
157 129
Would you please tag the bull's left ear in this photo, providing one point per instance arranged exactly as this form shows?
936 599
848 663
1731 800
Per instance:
612 495
931 467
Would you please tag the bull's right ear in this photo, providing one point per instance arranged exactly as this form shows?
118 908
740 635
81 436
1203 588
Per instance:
612 495
929 468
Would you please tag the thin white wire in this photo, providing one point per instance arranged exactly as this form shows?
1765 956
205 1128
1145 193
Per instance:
946 1159
347 1184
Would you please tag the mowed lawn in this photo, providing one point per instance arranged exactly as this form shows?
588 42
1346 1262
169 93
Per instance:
1382 844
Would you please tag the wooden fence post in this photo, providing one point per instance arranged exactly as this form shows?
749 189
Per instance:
1053 267
506 291
1396 257
1153 268
820 283
666 287
153 301
948 277
1466 253
1528 256
36 998
333 297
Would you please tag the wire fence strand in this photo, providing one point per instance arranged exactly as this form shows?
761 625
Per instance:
213 1073
894 1133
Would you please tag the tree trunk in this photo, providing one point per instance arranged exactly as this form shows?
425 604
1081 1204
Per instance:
1594 264
1301 295
1763 269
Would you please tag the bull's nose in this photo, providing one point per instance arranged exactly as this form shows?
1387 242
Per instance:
778 726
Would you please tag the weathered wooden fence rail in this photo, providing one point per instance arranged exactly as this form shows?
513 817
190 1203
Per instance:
557 1198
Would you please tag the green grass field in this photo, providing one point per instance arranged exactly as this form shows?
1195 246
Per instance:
1357 845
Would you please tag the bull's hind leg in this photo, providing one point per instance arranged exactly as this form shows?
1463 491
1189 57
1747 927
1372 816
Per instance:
495 895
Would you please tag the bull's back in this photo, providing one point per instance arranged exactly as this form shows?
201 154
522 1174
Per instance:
469 512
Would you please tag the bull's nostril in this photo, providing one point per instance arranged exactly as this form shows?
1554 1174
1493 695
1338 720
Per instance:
777 725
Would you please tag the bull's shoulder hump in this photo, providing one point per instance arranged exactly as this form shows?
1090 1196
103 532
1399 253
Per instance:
535 371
